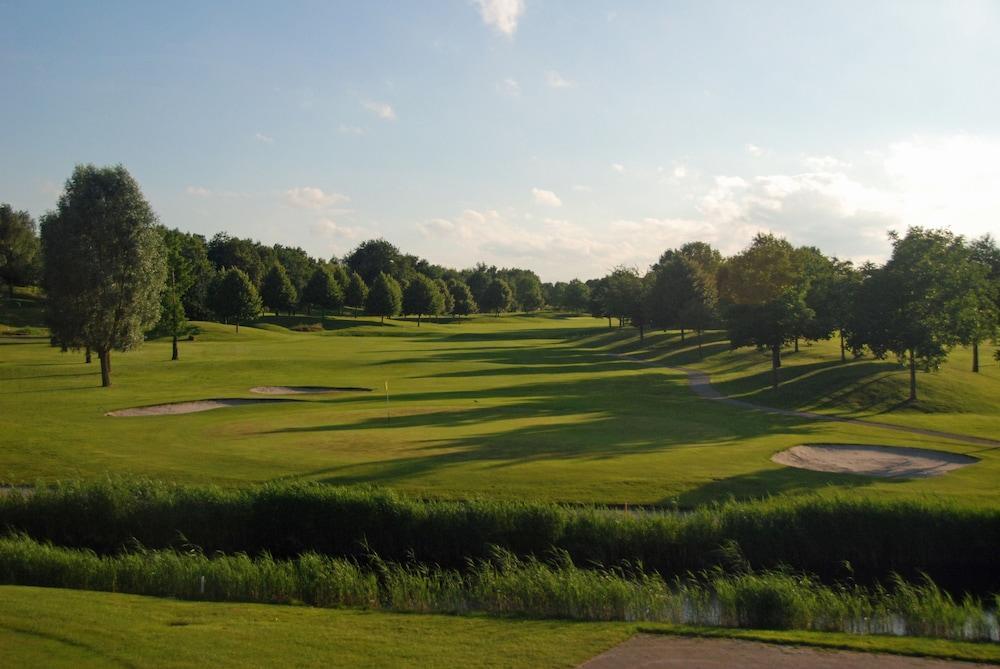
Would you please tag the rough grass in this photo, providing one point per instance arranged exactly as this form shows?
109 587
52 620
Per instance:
515 407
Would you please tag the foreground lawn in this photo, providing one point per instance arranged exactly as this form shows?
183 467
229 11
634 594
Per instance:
512 407
65 628
42 627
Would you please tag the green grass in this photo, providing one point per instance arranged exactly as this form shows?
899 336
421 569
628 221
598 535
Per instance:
64 628
60 628
516 407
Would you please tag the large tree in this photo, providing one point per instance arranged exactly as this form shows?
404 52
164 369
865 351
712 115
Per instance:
764 297
356 292
497 298
180 278
576 296
624 290
912 306
528 291
385 298
104 263
422 297
463 303
234 298
19 248
979 313
375 256
447 298
322 291
277 290
226 251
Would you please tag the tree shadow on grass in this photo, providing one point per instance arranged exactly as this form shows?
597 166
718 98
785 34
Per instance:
766 482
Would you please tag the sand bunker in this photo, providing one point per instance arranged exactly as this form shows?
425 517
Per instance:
188 407
304 390
879 461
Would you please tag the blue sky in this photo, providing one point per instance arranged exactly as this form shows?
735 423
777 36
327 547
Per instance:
568 137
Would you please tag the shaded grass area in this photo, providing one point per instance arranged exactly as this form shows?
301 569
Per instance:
504 585
64 628
514 407
840 537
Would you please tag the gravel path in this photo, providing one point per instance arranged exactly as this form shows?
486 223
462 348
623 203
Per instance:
701 384
656 651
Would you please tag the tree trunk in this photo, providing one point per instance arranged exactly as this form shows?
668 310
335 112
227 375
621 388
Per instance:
609 322
86 355
975 356
796 344
237 327
682 334
418 320
700 336
382 322
913 377
174 356
843 356
105 358
641 334
775 364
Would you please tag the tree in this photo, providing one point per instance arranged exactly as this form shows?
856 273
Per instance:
528 292
576 296
225 251
376 256
323 291
764 296
979 314
277 290
187 258
233 297
448 306
479 279
624 288
598 304
421 297
463 303
19 248
180 277
831 296
497 298
356 292
104 263
172 318
912 306
385 298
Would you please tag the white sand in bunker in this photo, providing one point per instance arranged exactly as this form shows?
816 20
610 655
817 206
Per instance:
188 407
304 390
878 461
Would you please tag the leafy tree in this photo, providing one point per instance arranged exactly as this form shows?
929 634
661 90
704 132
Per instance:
341 274
979 314
555 294
323 291
699 307
225 251
462 300
356 292
497 298
598 304
449 300
180 278
831 296
297 264
375 256
576 297
187 258
233 297
104 264
638 314
528 291
479 279
172 318
764 296
19 248
422 297
385 298
277 290
624 289
912 306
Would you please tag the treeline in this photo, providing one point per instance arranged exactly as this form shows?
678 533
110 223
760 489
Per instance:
936 291
112 273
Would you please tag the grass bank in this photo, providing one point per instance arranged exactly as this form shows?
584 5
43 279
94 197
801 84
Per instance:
836 537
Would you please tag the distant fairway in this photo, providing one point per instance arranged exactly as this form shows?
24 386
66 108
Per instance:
512 407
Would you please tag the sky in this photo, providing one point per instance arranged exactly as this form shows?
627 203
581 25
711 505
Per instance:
566 137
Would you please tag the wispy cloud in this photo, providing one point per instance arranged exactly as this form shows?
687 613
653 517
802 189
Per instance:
198 191
509 87
501 14
754 150
546 197
381 109
261 137
556 80
618 167
309 197
345 129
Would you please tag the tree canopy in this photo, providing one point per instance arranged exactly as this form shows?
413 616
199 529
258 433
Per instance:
385 298
19 248
234 298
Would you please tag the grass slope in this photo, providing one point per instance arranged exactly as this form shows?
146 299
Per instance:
512 407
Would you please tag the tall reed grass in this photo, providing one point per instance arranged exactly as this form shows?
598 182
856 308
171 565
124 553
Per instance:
505 585
834 537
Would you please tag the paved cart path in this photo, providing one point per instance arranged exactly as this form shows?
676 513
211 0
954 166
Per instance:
701 384
659 651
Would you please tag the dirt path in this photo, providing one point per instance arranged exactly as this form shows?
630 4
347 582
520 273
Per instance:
656 651
701 384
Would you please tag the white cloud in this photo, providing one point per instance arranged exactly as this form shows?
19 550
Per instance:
546 197
308 197
580 188
198 191
328 227
556 80
618 167
824 163
261 137
350 129
501 14
754 150
680 171
381 109
509 87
